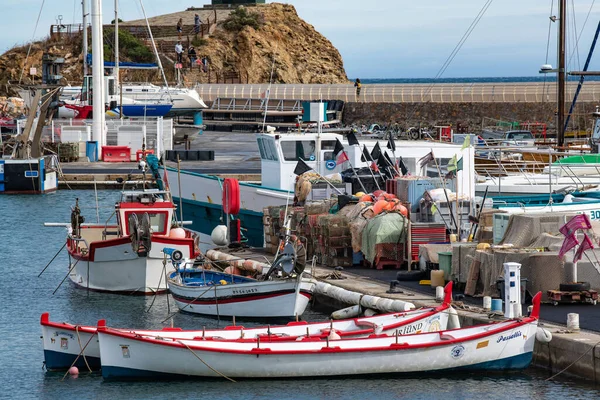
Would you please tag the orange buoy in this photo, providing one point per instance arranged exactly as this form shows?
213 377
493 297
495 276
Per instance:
366 198
381 205
231 196
401 209
378 193
232 270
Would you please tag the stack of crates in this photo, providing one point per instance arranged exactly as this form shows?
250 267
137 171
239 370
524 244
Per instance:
334 241
271 227
425 233
68 152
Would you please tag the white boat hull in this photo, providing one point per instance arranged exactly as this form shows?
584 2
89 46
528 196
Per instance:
117 268
262 299
64 342
125 356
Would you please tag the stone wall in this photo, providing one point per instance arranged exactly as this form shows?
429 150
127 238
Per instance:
469 114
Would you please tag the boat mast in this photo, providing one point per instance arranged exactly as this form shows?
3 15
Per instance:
562 24
98 124
84 5
116 70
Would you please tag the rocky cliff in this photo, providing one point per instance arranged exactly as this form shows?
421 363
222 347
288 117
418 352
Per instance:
281 40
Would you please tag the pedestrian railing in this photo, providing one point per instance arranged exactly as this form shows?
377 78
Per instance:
534 92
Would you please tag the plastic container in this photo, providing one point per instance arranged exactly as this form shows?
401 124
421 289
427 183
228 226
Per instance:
437 278
496 304
445 259
91 151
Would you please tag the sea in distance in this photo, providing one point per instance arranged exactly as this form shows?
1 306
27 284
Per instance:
508 79
26 246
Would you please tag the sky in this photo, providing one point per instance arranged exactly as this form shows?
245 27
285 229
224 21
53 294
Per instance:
384 38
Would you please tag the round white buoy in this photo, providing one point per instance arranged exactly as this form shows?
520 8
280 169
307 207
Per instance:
453 320
573 321
177 233
487 303
543 335
439 293
73 371
378 329
219 235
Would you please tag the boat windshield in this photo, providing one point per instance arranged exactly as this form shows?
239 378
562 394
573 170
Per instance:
519 135
298 149
158 221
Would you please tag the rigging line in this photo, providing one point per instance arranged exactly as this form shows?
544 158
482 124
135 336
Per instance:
582 28
545 86
454 52
31 43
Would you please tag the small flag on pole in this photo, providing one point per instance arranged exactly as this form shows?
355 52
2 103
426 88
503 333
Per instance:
402 166
569 242
376 152
366 155
352 140
426 159
338 153
585 245
301 167
581 221
466 143
391 144
434 209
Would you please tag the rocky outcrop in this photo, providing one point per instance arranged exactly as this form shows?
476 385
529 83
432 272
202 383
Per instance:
300 54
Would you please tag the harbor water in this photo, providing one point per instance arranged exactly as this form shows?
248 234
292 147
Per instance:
26 246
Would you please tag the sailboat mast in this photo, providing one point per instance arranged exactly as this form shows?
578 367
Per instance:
84 11
98 124
116 71
562 24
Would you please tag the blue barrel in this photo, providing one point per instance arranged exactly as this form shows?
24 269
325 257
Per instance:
496 304
91 151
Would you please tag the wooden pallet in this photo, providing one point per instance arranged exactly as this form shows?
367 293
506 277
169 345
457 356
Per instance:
585 296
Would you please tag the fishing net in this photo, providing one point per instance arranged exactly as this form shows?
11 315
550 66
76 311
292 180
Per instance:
384 228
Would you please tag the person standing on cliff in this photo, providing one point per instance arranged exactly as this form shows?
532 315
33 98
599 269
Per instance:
196 24
179 51
357 85
180 27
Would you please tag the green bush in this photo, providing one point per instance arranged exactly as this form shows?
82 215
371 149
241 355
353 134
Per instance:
130 47
240 18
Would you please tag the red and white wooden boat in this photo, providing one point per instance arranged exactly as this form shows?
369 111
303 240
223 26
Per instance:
64 342
497 346
127 256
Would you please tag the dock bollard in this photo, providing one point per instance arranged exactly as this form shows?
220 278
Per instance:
487 303
439 293
573 322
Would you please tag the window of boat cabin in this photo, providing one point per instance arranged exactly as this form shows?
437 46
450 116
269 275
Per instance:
293 150
158 221
327 147
267 149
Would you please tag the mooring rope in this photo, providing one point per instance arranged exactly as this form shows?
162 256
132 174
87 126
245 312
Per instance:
204 362
80 348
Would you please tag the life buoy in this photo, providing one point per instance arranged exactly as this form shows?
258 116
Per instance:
231 196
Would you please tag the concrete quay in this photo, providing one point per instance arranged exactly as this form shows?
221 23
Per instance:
574 354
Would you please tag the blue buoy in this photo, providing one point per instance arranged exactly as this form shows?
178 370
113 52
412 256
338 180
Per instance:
198 118
496 304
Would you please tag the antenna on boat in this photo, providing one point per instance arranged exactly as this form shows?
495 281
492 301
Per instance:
268 92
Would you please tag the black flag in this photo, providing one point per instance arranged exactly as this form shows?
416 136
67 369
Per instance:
352 140
391 144
338 148
376 152
403 168
382 164
301 167
366 155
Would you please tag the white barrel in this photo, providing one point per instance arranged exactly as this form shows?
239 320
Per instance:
487 303
439 293
369 312
573 321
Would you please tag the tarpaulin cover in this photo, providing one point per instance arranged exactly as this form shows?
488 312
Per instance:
384 228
